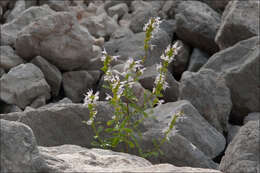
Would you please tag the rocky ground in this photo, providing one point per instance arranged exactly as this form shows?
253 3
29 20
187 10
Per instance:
50 56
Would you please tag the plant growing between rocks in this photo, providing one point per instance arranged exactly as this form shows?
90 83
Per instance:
128 115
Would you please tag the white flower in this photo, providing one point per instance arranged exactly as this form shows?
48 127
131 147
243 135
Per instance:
158 67
160 102
165 85
142 70
108 97
104 52
103 58
96 97
113 117
115 58
91 98
90 121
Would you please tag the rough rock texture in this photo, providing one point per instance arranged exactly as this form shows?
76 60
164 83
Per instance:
240 21
147 80
76 84
242 155
61 43
252 117
56 5
51 73
197 60
191 125
197 24
8 58
10 30
216 5
2 72
19 152
232 131
19 7
7 108
239 65
209 94
23 84
122 32
119 9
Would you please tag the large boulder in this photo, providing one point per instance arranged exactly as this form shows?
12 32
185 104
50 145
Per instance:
8 58
76 84
51 73
197 24
19 152
197 59
61 43
209 94
254 116
240 21
19 7
10 30
239 65
23 84
242 154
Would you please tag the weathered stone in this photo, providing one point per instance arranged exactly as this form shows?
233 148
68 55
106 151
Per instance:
61 43
38 102
76 84
147 80
170 8
240 21
56 5
197 24
121 33
232 131
169 26
23 84
8 58
7 108
2 72
242 154
19 7
19 152
239 65
209 94
197 60
216 5
252 117
10 30
119 9
60 102
51 73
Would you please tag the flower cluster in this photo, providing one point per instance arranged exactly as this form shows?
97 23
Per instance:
153 24
90 100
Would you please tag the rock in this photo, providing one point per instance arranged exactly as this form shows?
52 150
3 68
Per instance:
121 33
170 8
242 154
38 102
2 72
76 84
197 24
197 60
216 5
239 22
23 84
10 30
8 58
20 6
19 152
210 96
119 9
255 116
51 73
100 25
232 131
57 5
63 121
7 108
169 26
60 102
239 65
191 125
181 61
61 43
147 80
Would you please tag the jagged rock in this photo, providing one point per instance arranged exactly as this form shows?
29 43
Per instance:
252 117
239 65
170 8
197 60
209 94
20 6
119 9
51 73
23 84
232 131
8 58
38 102
121 33
19 152
169 26
197 24
61 44
10 30
240 21
147 80
76 84
57 5
242 154
60 102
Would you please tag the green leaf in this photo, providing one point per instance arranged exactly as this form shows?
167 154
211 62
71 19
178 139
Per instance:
110 122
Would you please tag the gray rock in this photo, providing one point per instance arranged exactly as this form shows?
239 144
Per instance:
197 24
38 102
60 102
8 58
63 121
56 5
23 84
148 78
2 72
169 26
239 65
242 154
252 117
19 152
170 8
10 30
181 61
7 108
216 5
121 33
197 60
239 22
61 44
232 131
19 7
76 84
119 9
51 73
191 125
210 96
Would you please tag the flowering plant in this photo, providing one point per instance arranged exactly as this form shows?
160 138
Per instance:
123 127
